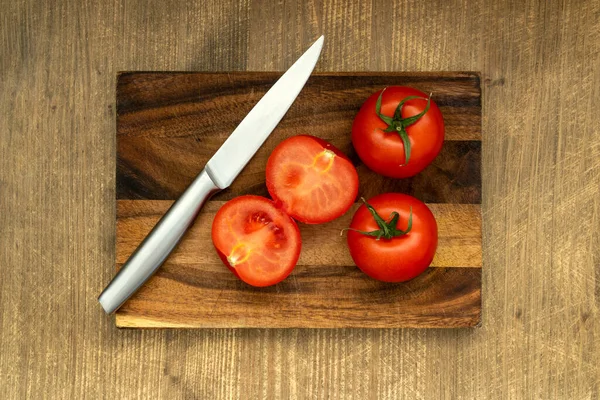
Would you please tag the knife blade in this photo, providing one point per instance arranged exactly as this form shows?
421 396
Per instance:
218 174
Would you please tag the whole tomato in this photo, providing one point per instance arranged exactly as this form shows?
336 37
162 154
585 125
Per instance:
393 237
398 132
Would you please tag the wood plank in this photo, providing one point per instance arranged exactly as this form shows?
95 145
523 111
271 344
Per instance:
147 98
209 296
161 169
459 227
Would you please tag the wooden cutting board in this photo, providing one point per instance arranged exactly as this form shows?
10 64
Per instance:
170 124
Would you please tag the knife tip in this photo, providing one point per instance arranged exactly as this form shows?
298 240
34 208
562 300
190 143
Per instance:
319 43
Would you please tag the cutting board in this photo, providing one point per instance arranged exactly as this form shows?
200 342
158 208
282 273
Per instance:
170 124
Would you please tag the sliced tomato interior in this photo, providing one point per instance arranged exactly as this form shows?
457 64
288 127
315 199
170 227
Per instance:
311 180
257 241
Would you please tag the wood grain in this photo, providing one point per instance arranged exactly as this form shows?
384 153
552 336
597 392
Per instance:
207 295
176 122
322 244
194 289
168 123
540 211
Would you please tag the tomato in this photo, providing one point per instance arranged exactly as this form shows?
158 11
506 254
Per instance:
311 180
393 237
256 240
398 132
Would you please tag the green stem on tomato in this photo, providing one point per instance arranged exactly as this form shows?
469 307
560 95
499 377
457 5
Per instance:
387 230
398 124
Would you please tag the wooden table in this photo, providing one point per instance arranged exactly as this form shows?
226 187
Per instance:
541 207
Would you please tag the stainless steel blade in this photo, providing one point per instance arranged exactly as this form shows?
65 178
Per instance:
255 128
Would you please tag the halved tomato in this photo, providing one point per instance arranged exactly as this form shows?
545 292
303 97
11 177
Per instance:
311 180
256 240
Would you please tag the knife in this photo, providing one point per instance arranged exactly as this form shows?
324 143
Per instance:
218 174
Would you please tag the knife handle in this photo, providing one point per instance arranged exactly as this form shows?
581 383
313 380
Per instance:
159 243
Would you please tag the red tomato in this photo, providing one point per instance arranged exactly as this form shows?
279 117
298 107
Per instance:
257 241
406 245
311 180
407 135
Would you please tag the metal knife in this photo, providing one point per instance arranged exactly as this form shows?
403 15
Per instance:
218 174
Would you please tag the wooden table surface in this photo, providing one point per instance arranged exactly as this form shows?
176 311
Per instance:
539 61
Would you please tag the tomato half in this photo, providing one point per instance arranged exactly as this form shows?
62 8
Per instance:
311 180
257 241
417 139
401 255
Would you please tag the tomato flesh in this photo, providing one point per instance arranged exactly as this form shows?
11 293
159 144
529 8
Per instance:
401 258
311 180
256 240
